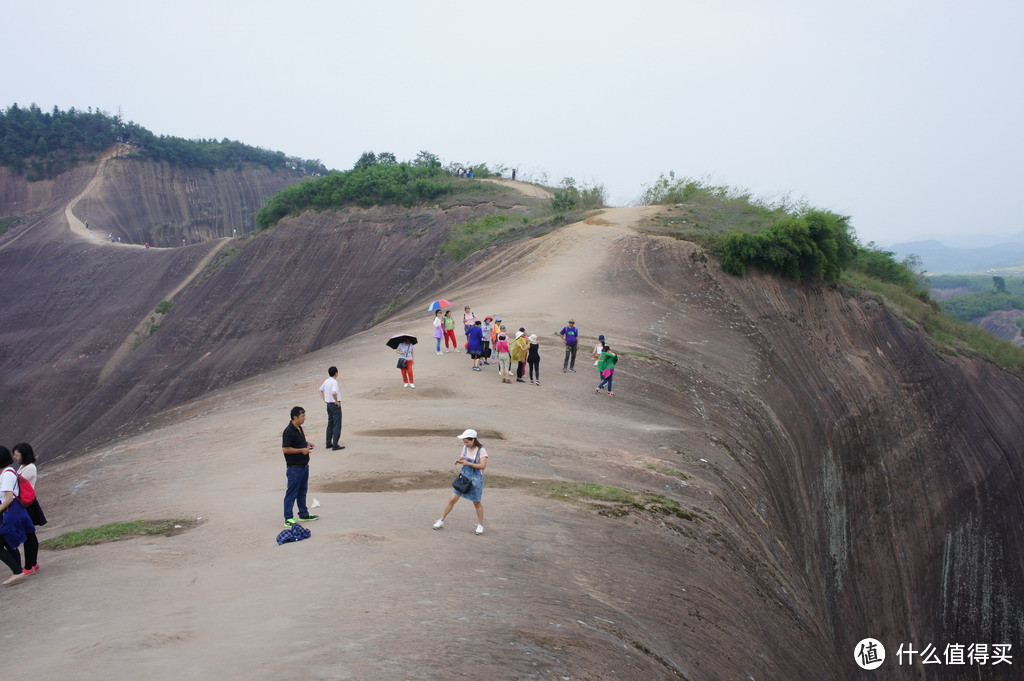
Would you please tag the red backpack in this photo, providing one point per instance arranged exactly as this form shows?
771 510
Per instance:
26 493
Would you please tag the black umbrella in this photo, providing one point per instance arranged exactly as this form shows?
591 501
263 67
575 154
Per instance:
395 341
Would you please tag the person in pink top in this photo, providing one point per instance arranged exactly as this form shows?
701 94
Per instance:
504 358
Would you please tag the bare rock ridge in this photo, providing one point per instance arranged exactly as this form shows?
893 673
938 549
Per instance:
834 478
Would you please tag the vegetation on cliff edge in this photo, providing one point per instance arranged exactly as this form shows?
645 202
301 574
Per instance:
44 144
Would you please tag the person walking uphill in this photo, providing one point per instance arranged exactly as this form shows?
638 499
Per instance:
331 393
571 335
473 461
296 451
606 365
15 524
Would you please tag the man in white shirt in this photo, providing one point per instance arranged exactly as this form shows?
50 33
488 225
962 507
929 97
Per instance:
331 393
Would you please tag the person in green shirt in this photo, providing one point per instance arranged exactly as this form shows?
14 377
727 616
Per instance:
449 332
606 365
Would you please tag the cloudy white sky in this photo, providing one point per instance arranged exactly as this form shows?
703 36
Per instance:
905 115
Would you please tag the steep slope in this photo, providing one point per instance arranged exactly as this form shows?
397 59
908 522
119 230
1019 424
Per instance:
836 480
80 338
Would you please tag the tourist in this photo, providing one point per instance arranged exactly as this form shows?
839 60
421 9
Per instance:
449 332
474 344
331 393
438 329
533 359
485 340
598 349
468 320
571 336
504 360
296 449
606 364
25 459
405 352
518 353
15 524
473 461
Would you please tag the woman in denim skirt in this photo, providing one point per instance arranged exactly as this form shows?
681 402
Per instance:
473 461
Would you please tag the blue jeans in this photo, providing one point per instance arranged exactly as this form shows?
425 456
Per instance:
438 348
607 381
298 482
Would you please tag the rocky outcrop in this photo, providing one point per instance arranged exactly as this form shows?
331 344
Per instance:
1003 324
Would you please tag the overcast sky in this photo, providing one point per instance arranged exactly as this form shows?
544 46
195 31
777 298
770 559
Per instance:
904 115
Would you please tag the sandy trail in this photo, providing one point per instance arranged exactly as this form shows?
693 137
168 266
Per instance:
375 593
525 188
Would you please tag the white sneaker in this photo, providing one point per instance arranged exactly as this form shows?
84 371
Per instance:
411 385
479 529
439 352
405 385
439 525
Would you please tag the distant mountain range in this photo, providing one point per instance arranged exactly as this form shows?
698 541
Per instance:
966 253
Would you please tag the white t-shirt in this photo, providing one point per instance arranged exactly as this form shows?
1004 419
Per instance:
8 483
329 387
29 473
438 322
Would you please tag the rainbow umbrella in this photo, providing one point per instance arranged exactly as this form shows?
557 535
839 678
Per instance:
438 304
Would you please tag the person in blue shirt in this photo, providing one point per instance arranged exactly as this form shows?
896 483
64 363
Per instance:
571 336
474 340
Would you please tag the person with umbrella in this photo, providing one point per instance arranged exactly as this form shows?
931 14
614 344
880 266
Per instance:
438 329
402 344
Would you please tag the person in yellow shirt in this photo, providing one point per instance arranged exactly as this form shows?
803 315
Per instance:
519 348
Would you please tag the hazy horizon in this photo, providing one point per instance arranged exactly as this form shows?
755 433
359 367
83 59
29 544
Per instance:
905 116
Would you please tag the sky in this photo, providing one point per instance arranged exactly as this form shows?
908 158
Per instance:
906 116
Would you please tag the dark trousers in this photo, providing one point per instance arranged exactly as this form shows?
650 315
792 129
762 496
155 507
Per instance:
534 368
31 551
570 352
333 424
520 369
484 347
10 557
298 483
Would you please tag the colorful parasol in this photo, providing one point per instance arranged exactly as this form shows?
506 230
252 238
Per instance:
438 304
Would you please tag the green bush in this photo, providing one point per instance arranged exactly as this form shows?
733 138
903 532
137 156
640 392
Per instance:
816 245
881 264
572 197
399 184
163 307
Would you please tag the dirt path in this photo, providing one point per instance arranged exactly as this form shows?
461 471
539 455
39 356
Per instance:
78 227
142 329
551 590
526 188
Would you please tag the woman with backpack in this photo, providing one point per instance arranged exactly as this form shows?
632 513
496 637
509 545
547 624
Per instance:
25 458
15 524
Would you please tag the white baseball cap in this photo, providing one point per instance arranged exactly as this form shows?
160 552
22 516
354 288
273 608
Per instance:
469 433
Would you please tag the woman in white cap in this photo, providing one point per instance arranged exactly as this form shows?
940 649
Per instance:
473 461
533 359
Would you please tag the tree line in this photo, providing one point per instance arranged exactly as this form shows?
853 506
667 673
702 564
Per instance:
42 144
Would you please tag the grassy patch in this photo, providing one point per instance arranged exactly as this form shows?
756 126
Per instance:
667 470
617 502
117 532
469 237
163 307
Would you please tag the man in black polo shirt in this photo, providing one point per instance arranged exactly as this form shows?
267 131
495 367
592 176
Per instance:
296 458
